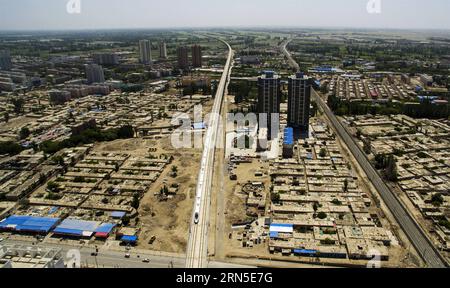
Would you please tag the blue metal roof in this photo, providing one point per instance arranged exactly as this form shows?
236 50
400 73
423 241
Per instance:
282 225
76 227
28 223
53 210
273 234
105 228
118 214
129 238
305 251
289 136
66 231
199 126
422 98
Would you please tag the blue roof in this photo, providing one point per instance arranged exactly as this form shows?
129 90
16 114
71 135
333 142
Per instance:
28 223
53 210
305 251
289 136
282 225
129 238
66 231
105 228
76 227
118 214
324 68
273 234
422 98
199 125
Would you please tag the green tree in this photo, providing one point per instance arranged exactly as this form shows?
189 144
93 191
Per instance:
24 133
135 202
275 197
126 220
322 152
18 104
437 199
391 169
125 132
367 146
52 186
10 148
336 202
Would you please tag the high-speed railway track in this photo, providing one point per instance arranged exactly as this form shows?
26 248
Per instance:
197 249
423 245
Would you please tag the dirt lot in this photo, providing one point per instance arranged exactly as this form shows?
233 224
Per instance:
167 220
235 200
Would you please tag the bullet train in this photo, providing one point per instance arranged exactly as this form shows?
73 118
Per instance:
212 128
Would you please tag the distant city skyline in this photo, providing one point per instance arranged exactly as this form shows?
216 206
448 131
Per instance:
119 14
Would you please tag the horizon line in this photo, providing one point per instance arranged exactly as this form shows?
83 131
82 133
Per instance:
414 29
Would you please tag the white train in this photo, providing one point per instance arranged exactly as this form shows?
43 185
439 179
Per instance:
198 197
209 135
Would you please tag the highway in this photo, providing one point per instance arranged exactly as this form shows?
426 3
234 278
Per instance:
414 232
196 256
286 53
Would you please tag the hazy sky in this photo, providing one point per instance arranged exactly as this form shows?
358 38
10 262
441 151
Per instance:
99 14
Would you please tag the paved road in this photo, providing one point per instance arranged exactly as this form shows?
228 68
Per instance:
416 235
286 53
110 258
116 259
196 256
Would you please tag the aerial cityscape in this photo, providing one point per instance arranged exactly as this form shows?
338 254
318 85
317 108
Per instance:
202 144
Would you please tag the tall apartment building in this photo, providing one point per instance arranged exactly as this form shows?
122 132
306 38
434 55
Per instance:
269 94
94 73
426 80
145 52
182 54
196 56
106 58
299 101
162 50
5 60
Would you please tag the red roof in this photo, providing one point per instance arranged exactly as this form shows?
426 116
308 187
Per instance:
102 235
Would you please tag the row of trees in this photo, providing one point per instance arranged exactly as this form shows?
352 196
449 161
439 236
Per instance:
194 89
388 164
88 136
425 109
241 90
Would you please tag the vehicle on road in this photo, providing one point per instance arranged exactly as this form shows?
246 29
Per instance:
127 255
146 260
